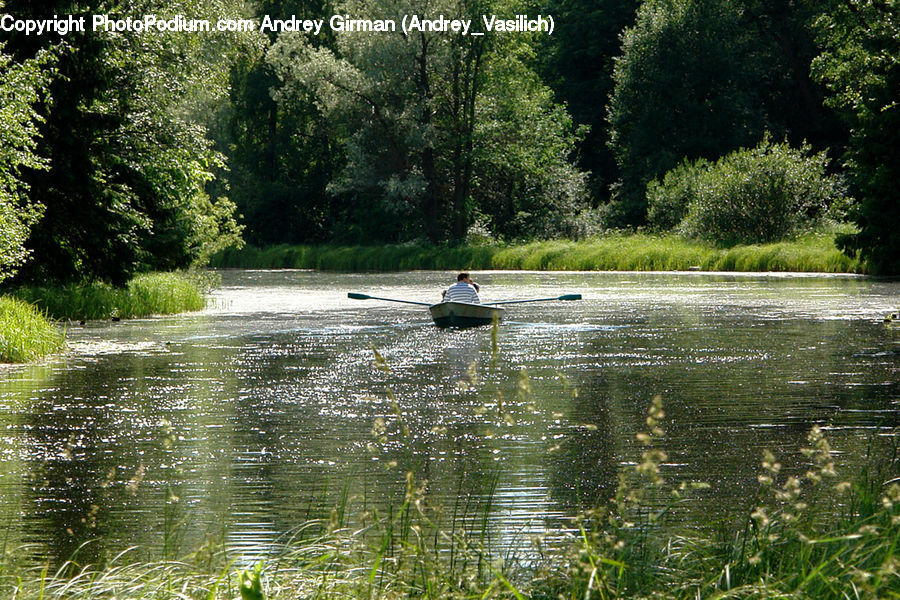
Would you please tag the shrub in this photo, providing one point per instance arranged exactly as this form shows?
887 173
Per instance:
751 196
479 232
668 201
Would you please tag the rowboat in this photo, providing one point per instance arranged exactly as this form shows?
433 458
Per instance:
464 314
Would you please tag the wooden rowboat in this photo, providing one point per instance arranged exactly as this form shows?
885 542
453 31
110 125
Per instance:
463 314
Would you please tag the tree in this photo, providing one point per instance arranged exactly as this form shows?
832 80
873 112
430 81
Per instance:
21 87
577 63
685 87
129 160
526 179
785 43
861 67
415 116
700 78
281 155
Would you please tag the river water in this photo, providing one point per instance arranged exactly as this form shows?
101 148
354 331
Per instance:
241 422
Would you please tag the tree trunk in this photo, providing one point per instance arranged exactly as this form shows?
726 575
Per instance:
465 95
431 202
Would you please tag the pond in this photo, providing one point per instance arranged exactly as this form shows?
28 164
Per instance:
241 422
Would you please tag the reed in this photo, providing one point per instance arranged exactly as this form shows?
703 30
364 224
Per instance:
25 332
613 252
807 536
148 294
790 545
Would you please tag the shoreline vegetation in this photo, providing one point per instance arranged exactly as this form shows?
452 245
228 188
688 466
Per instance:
144 295
803 535
27 331
635 252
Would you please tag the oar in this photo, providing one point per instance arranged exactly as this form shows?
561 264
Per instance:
563 297
356 296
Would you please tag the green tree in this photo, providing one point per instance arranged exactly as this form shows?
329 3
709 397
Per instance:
700 78
685 87
281 155
861 67
527 181
21 87
129 160
577 62
419 121
785 43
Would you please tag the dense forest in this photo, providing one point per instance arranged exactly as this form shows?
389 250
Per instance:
740 122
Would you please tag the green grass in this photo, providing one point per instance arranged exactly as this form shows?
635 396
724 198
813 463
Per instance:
809 535
790 545
806 536
153 293
615 252
25 333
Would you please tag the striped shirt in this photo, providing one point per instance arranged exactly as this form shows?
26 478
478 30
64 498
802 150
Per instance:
462 292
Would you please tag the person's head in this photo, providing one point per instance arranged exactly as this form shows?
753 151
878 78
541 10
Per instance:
463 277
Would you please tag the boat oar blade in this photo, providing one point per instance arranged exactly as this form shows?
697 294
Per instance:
565 297
358 296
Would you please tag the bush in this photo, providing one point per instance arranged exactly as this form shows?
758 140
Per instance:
750 196
668 201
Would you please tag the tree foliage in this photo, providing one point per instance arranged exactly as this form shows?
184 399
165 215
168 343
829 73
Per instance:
685 87
700 78
281 155
861 67
21 87
128 156
526 178
121 153
435 129
750 196
578 65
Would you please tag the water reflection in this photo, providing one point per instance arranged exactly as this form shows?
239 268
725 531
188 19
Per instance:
245 420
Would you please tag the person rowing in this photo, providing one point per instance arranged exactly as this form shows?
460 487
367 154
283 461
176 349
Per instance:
464 290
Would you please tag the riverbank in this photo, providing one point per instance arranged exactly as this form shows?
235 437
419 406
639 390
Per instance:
809 535
144 295
620 252
26 313
25 332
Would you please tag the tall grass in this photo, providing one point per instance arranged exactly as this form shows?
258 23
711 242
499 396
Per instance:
358 258
619 252
808 536
149 294
25 333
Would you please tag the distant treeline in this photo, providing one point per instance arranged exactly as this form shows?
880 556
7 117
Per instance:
734 122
